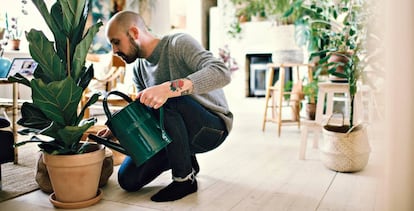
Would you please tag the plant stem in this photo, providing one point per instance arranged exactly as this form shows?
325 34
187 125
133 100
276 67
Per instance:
351 112
68 55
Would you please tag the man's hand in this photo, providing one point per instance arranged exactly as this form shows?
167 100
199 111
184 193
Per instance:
156 96
105 133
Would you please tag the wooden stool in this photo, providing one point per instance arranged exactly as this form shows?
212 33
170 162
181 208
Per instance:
308 126
275 94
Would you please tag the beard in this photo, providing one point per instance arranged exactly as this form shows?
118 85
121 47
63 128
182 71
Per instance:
134 51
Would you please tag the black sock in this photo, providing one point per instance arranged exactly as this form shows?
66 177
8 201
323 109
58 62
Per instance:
176 190
195 165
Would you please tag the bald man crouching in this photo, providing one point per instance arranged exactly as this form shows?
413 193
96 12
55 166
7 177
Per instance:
177 73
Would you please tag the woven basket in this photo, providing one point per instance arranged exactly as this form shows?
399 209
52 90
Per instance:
345 151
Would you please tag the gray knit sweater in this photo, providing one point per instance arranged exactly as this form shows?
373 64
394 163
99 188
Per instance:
180 56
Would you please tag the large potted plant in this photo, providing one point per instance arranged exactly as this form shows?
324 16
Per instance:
346 147
57 86
314 21
339 30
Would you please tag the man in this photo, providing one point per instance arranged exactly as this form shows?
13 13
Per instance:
175 72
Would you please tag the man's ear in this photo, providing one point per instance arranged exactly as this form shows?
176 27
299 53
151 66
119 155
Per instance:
134 32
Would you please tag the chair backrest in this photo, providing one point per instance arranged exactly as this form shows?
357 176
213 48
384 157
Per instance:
117 61
118 73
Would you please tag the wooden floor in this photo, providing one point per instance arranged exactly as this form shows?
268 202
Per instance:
252 170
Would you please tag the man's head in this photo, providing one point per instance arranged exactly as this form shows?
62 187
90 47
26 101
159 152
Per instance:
126 32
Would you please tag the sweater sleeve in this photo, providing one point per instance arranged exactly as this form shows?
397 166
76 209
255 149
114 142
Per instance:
209 73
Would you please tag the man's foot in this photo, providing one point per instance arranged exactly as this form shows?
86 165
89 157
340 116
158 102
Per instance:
195 165
176 190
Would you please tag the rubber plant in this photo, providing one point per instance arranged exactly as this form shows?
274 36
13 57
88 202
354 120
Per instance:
60 77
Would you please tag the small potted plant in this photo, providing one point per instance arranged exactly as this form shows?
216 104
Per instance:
257 10
14 32
310 90
57 86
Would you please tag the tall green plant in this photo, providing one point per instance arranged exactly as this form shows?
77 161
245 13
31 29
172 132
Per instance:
336 29
60 77
348 42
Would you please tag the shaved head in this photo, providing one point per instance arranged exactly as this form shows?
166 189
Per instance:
129 36
123 20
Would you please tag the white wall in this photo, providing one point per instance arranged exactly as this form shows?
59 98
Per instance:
160 19
399 98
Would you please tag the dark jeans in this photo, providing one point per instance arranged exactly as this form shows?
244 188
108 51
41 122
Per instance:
192 128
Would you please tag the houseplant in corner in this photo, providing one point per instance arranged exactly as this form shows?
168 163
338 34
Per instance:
57 86
346 147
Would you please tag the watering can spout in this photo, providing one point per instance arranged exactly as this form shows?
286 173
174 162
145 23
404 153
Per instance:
107 142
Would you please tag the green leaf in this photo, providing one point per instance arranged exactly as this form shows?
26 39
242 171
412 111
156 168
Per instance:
52 67
82 50
42 8
19 78
58 100
86 77
33 117
70 135
58 31
71 11
90 102
52 21
288 12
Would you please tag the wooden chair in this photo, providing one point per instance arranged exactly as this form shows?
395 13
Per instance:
275 94
110 81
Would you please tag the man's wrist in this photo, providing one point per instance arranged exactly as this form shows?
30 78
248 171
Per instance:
176 85
181 86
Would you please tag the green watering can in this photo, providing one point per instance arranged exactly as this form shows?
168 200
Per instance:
139 134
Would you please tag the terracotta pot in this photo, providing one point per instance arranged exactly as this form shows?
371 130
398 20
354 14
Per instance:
338 57
15 44
311 110
43 180
243 19
75 178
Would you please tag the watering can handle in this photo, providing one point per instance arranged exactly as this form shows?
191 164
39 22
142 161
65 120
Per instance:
129 100
105 101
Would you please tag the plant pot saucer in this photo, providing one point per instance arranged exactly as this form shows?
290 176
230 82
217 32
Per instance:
76 205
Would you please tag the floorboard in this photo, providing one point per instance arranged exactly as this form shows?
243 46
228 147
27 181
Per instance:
251 170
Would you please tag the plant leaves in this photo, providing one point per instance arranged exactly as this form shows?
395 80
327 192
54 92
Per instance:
39 45
58 32
91 101
19 78
86 77
71 135
82 50
71 12
33 117
58 100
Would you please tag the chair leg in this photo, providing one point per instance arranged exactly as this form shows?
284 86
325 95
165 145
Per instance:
265 112
303 142
316 135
